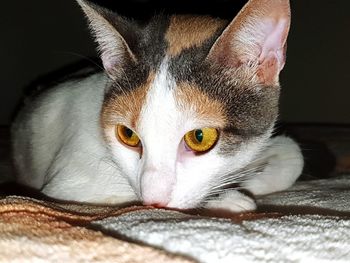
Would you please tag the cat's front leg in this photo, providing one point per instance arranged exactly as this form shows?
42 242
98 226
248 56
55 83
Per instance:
87 180
283 163
233 201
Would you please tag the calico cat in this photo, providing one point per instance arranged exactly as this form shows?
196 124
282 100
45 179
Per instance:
184 110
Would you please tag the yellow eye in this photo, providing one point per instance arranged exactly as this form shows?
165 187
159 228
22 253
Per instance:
127 136
201 140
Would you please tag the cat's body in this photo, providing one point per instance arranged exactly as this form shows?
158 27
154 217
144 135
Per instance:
67 157
186 108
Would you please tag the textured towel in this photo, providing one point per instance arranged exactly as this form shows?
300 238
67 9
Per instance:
308 223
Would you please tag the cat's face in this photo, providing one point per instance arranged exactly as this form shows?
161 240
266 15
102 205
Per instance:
190 100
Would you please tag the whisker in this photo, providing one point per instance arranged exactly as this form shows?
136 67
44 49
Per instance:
80 56
234 178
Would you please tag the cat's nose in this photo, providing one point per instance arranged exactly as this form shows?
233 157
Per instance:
160 199
157 204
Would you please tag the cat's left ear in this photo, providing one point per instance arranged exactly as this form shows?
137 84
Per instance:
111 33
256 38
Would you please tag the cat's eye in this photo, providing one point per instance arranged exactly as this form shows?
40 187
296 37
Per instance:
201 140
127 136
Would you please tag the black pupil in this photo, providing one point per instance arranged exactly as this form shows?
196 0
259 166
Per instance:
199 135
128 132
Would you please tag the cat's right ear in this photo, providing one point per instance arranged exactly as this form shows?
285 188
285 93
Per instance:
114 49
256 38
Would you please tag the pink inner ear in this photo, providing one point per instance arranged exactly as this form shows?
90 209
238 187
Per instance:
273 44
272 57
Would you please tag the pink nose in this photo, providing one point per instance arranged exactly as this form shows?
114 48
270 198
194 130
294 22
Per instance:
156 194
156 204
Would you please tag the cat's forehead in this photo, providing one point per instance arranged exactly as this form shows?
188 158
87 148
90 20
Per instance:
178 38
207 98
161 94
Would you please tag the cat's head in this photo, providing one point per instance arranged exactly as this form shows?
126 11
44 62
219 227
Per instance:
190 100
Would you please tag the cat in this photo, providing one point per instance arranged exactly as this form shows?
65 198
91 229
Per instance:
183 111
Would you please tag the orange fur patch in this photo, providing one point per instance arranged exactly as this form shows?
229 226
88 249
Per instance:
189 31
126 108
190 98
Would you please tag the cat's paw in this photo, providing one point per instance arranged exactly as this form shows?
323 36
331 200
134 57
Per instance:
232 201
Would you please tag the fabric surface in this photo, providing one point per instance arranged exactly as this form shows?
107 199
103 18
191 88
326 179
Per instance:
285 239
308 223
332 195
33 231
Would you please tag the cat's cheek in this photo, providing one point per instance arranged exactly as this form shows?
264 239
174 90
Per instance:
128 159
194 180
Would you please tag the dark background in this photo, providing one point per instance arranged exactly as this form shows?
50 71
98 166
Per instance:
40 36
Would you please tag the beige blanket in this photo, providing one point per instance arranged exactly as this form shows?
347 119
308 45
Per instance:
36 231
312 225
